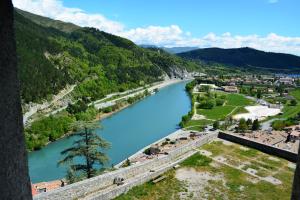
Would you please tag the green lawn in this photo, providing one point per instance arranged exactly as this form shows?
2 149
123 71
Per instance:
234 102
216 113
290 111
238 100
197 125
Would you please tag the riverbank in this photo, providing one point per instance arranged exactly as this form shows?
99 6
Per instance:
151 90
130 130
103 186
57 126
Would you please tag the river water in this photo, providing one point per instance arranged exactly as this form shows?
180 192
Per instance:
128 131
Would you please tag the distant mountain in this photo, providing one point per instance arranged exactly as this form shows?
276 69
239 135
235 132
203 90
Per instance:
52 54
149 46
245 57
176 50
171 50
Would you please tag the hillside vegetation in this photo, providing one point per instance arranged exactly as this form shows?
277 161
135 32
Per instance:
52 54
246 58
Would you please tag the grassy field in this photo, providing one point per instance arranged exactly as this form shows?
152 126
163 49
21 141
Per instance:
238 100
240 159
290 111
197 125
164 190
217 112
234 104
208 178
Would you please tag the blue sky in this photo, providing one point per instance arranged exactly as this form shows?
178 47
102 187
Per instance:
202 16
270 25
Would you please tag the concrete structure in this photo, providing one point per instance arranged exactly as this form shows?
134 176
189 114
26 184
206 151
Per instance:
231 89
102 187
288 155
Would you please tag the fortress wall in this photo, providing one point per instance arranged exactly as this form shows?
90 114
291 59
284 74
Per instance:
93 185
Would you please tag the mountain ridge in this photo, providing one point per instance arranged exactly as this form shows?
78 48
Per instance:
245 57
99 62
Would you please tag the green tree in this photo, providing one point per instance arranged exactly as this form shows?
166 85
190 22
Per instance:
89 146
249 122
242 127
207 104
216 125
206 88
220 102
258 95
293 102
255 125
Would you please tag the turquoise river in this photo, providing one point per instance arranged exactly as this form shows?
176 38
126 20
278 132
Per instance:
128 131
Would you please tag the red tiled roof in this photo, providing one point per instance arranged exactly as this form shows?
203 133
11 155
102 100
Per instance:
33 190
48 186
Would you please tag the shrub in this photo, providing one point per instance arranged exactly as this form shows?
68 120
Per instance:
208 104
216 125
220 102
293 102
278 125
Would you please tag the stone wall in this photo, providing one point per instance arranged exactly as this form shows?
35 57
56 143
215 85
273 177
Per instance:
288 155
95 187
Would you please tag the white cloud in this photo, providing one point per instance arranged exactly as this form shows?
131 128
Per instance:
55 9
155 35
169 36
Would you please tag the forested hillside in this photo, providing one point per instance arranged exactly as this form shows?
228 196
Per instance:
247 58
100 63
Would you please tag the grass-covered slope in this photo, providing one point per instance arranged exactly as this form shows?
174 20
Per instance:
246 57
52 54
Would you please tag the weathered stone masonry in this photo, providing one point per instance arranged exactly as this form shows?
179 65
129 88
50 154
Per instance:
288 155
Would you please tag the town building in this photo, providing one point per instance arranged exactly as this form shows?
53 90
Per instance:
42 187
231 89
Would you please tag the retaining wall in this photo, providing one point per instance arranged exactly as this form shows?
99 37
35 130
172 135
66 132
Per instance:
93 185
288 155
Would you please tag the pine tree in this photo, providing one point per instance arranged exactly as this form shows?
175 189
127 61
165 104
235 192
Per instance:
242 127
216 125
255 125
249 123
88 146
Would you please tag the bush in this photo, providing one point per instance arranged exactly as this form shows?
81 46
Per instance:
216 125
208 104
220 102
242 127
200 98
255 125
223 97
107 109
164 143
278 125
293 102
